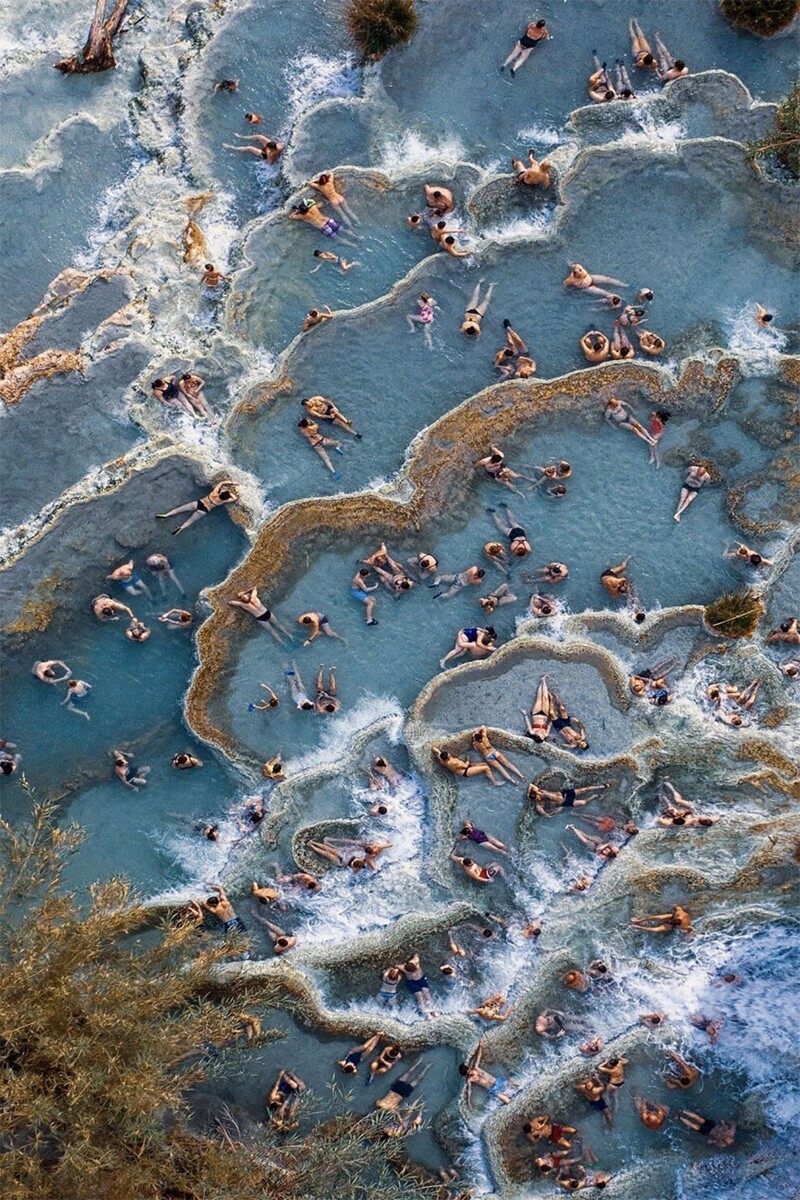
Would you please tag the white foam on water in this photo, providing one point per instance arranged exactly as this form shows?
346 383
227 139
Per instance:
651 132
312 78
518 228
414 150
760 346
339 731
539 136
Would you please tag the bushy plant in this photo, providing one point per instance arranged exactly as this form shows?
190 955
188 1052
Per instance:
764 17
735 615
376 26
784 142
98 1009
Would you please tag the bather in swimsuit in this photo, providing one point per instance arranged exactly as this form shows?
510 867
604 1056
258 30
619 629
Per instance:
331 227
401 1088
417 985
568 797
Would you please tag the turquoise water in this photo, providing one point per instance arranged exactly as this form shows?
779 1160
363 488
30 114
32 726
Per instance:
94 176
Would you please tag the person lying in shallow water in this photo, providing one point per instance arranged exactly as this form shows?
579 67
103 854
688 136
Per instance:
316 316
222 493
788 631
319 443
250 601
403 1087
721 1134
549 803
268 148
696 477
352 1060
535 174
581 279
599 85
464 766
493 756
476 1076
536 32
678 918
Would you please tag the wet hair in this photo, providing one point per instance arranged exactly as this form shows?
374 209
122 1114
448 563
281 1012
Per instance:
303 423
158 383
564 467
443 755
212 901
281 941
663 414
313 312
463 1069
558 490
441 224
323 178
424 296
495 458
394 972
447 969
546 609
380 761
467 862
382 809
450 240
611 1062
357 864
647 293
415 218
679 64
765 316
410 966
480 572
467 828
508 352
349 1068
487 933
364 572
541 23
755 559
490 630
609 95
527 1127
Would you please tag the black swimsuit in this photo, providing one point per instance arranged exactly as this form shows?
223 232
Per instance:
527 43
568 795
265 616
561 722
401 1088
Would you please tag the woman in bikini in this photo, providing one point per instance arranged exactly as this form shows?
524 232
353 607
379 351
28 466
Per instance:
249 601
539 723
471 325
600 89
696 477
223 492
580 278
642 54
493 756
352 1060
426 306
464 766
192 387
320 444
669 68
619 412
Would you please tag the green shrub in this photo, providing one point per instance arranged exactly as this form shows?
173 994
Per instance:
735 615
784 142
764 17
376 26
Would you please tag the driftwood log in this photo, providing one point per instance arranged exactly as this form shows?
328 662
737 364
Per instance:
97 54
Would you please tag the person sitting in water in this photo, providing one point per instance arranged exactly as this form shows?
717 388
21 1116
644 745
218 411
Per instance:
129 580
549 803
395 579
650 342
623 85
325 184
222 493
500 595
250 601
474 871
389 1055
426 306
464 766
536 174
132 777
253 118
580 278
678 918
696 477
211 277
268 148
423 565
220 906
669 68
650 682
323 409
788 631
642 54
438 198
497 556
316 623
167 391
536 32
319 443
325 701
652 1115
77 689
390 981
519 545
763 318
360 590
615 581
542 606
621 347
273 769
418 985
474 640
137 631
554 572
185 762
45 671
721 1134
620 413
526 367
475 1076
403 1087
316 316
595 346
495 467
352 1060
742 552
495 758
679 1073
600 89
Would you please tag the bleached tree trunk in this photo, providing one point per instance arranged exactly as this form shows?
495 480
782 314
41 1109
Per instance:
97 54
